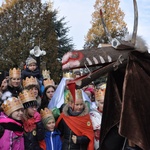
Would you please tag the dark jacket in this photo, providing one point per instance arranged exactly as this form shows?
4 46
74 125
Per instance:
28 73
14 90
31 139
82 141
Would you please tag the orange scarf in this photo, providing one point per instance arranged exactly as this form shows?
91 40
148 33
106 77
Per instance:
81 126
29 125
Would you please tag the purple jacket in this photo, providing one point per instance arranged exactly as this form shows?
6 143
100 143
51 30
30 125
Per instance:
11 140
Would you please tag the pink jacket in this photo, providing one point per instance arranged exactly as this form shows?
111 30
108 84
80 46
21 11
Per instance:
11 140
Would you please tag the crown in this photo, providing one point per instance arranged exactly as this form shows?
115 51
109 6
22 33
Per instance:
29 81
100 92
45 113
69 75
67 96
48 82
11 104
78 95
27 96
15 73
46 74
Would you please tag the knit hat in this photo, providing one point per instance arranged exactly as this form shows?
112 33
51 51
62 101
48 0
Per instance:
46 115
30 60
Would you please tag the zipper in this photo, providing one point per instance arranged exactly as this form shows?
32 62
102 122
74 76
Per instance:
69 140
51 139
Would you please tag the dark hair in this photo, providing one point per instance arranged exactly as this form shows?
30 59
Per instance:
45 99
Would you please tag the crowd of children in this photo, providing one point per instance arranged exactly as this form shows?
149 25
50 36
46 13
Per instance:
28 114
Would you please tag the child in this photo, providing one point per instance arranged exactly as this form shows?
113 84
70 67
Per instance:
52 135
75 124
10 121
31 69
33 127
33 85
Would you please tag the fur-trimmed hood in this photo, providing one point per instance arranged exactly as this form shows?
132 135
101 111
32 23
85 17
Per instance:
83 113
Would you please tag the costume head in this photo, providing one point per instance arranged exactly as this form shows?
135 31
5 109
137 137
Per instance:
46 115
11 104
28 98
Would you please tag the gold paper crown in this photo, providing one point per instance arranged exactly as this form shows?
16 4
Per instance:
48 82
15 73
100 93
11 104
46 74
69 75
45 113
78 95
30 81
27 96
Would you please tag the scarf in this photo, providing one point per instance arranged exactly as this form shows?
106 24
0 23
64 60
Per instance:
29 124
80 125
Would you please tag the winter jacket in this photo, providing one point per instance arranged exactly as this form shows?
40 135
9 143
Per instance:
67 133
53 140
28 73
14 90
31 139
12 137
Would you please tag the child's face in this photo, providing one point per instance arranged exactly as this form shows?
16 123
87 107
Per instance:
32 66
50 125
18 114
78 106
100 104
31 110
35 91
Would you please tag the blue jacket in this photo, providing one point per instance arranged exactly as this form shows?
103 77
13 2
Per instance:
53 140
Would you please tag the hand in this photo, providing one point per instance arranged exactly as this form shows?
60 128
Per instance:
74 139
37 117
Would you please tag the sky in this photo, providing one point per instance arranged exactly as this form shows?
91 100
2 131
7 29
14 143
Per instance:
78 15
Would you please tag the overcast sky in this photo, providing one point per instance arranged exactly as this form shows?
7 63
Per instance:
78 17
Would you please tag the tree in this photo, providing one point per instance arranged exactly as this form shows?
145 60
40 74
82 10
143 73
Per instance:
113 17
29 23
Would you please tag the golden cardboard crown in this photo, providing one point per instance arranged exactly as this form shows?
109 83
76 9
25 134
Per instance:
27 96
100 92
48 82
69 75
11 104
78 95
45 113
46 74
29 81
15 73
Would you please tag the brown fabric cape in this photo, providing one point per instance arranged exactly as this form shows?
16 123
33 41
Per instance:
80 125
135 115
127 102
